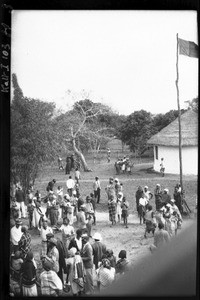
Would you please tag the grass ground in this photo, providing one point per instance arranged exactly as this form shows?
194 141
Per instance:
117 237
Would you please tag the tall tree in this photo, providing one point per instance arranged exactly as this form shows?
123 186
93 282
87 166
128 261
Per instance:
33 140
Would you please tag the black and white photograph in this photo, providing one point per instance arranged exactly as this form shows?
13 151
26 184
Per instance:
103 153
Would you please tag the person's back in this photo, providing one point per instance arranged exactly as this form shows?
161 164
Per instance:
98 250
161 236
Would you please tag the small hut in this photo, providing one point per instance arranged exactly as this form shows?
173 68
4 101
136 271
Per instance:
166 145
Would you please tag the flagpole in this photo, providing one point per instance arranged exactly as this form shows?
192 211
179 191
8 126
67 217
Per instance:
179 118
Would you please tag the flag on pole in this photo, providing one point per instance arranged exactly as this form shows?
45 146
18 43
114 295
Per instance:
188 48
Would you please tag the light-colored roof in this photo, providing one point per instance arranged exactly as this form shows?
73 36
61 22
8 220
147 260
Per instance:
169 135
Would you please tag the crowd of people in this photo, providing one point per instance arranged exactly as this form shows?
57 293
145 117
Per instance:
123 165
79 262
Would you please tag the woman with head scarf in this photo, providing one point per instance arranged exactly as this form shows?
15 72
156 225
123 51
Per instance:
105 274
75 272
28 276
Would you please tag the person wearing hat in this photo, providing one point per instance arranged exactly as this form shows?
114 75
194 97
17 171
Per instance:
98 249
15 235
51 284
86 255
97 189
25 241
158 196
28 275
110 189
105 274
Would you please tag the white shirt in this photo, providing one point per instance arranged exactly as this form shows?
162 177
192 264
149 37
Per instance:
15 234
70 183
44 232
143 201
79 243
67 229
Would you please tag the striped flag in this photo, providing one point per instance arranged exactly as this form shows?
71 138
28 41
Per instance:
188 48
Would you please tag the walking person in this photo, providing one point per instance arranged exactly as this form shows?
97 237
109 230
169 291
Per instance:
161 237
97 189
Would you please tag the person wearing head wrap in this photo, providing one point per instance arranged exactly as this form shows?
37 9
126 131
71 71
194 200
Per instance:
75 272
87 258
105 274
28 275
51 285
122 264
166 197
25 241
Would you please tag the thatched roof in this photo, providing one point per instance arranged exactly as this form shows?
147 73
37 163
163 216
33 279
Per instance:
169 136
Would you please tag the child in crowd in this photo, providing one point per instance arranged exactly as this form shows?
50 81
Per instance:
125 206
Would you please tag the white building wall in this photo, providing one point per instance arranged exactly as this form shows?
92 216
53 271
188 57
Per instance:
171 159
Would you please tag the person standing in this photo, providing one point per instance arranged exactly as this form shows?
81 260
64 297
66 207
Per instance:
138 195
81 218
112 209
25 241
68 234
105 274
75 272
158 196
108 155
50 185
125 206
77 175
15 235
110 189
161 237
53 254
28 275
147 194
178 197
19 195
70 183
119 209
162 167
44 230
76 242
97 189
142 208
98 249
51 284
86 255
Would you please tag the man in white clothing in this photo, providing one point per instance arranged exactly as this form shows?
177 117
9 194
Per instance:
15 234
44 230
70 185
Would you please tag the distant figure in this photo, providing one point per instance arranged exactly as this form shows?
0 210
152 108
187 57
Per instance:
108 155
162 167
60 166
68 165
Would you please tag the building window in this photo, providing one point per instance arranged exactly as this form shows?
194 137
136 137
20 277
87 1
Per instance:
156 149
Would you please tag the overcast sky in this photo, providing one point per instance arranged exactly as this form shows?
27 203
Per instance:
126 59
